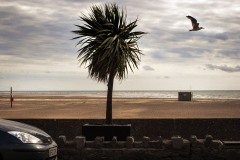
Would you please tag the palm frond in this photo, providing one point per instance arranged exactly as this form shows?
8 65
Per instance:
108 43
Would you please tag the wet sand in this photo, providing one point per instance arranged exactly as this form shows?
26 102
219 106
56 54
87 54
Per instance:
75 107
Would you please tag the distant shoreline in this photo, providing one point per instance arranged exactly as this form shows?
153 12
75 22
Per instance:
22 96
219 94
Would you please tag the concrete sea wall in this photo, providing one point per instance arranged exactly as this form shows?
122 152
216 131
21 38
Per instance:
151 139
223 129
175 148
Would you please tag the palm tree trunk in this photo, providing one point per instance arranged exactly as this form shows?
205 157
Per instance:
109 99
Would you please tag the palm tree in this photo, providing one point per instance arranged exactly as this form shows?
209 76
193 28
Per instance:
108 46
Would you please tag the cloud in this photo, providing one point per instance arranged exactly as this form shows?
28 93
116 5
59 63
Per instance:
230 52
224 68
222 36
163 77
148 68
166 77
35 35
188 52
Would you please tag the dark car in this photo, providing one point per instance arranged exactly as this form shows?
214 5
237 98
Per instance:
19 141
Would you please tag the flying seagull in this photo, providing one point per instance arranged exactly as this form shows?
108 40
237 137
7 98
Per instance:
194 24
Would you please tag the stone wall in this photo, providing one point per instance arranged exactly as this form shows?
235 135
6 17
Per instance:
72 146
224 129
175 148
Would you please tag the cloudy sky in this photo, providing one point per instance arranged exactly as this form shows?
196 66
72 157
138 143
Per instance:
37 53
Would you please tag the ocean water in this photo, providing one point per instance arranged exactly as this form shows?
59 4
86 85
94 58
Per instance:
210 94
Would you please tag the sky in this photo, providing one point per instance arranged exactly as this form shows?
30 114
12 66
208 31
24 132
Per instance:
37 53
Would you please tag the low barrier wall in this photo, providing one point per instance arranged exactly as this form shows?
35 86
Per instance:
72 146
223 129
175 148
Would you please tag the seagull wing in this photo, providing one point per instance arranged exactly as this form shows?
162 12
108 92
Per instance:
193 20
196 26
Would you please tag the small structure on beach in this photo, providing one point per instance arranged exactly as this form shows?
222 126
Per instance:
184 96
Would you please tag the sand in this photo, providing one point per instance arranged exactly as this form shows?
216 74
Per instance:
75 107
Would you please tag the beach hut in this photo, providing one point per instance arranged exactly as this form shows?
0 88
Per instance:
184 96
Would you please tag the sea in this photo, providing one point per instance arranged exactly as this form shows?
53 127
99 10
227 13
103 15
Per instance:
199 94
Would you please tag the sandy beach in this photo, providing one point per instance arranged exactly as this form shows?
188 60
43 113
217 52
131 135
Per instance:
75 107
